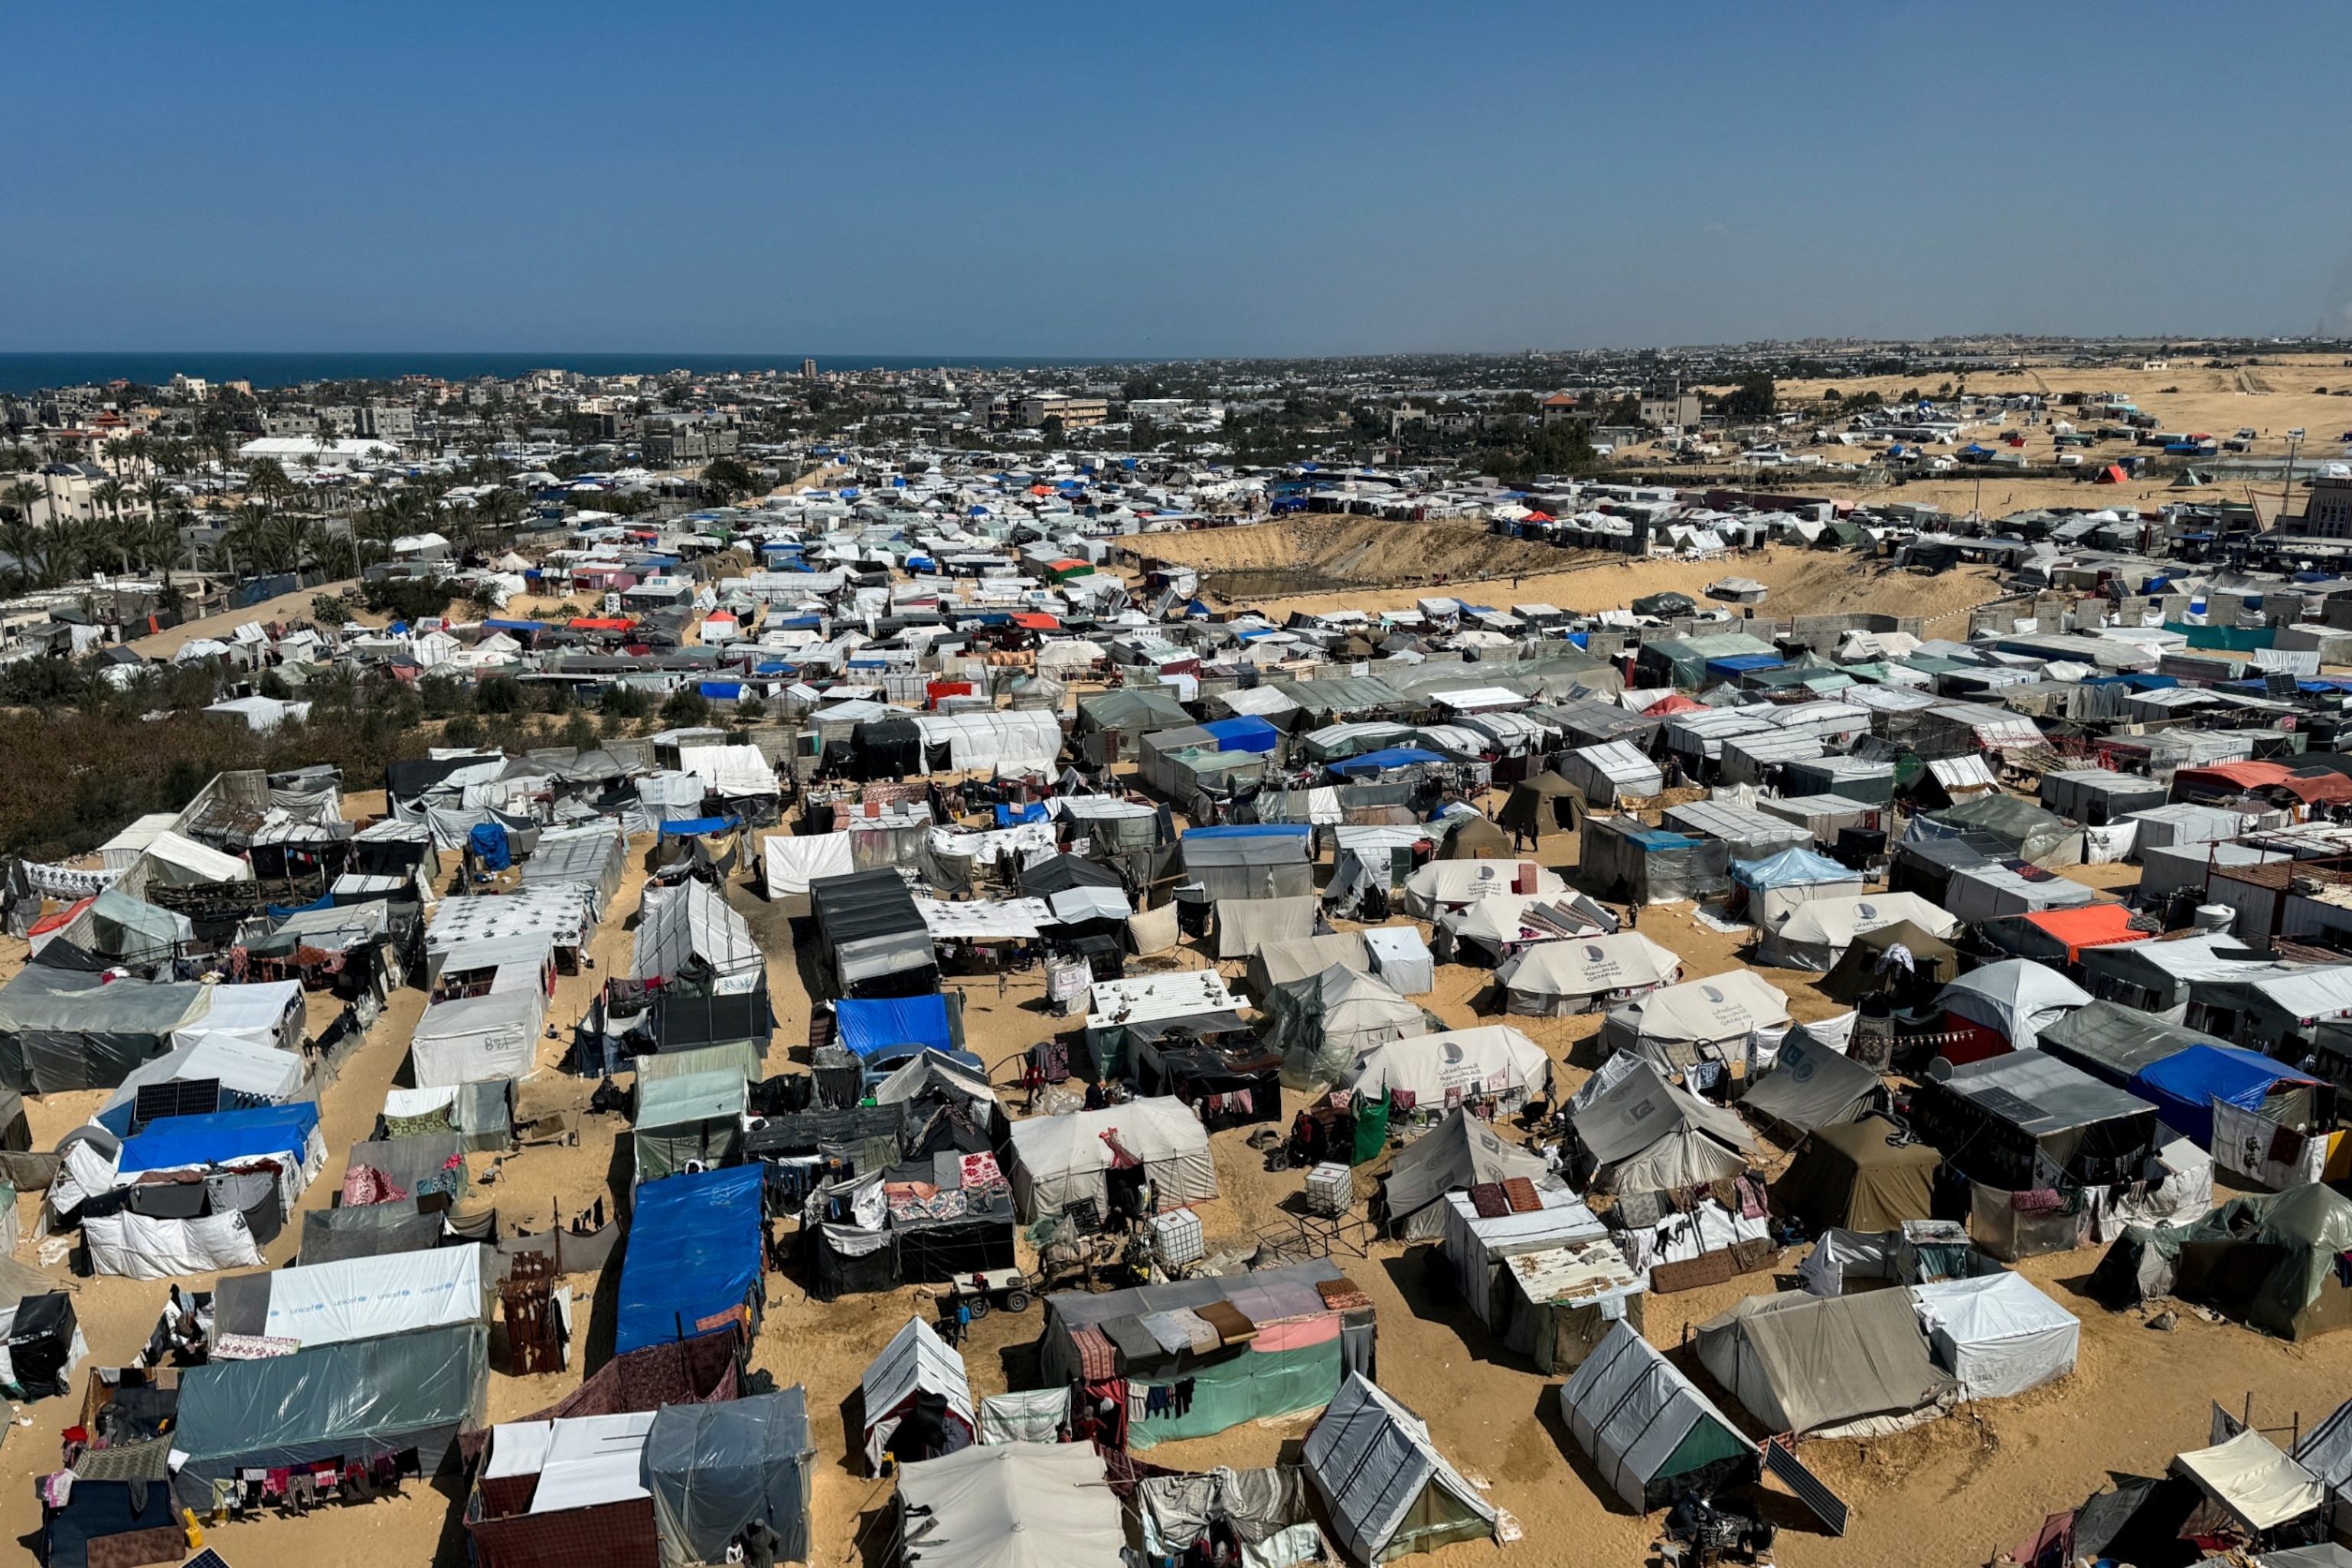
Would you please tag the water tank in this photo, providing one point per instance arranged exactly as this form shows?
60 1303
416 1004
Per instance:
2213 917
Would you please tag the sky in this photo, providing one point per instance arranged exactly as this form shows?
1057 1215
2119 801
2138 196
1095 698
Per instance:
1161 181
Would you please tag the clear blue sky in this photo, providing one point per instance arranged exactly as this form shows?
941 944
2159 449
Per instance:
1162 180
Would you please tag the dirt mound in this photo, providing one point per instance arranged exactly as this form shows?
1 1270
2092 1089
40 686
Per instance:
1313 555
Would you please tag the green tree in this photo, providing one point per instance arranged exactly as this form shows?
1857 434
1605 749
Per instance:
1754 398
686 709
726 479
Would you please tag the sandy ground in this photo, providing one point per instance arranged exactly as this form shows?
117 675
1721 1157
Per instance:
295 606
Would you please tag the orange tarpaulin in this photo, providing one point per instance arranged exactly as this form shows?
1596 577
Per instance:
2093 925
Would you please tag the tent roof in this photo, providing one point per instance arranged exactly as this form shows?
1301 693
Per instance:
1715 1009
1631 1408
713 1468
2040 1095
1791 868
1460 1152
1014 1505
1373 1460
915 1360
1811 1086
1987 1307
1641 1106
692 1257
1824 1360
2251 1477
2114 1042
691 920
2013 997
356 1393
1589 965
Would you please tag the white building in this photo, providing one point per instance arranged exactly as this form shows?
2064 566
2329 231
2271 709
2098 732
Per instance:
307 452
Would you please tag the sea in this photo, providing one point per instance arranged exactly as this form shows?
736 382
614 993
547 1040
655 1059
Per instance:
32 372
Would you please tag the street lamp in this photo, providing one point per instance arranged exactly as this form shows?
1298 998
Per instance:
2286 496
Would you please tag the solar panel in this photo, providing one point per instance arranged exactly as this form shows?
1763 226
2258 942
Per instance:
181 1097
1784 1464
208 1558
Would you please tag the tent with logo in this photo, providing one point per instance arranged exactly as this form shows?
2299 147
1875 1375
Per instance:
1645 1135
1817 933
1494 1061
1061 1159
1684 1023
1558 979
1650 1432
1810 1086
1387 1491
1780 885
1461 1152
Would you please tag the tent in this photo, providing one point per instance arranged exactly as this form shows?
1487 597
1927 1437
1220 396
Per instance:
1386 1490
1606 775
689 924
383 1395
1871 966
2185 1086
1443 885
1460 1152
2271 1259
568 1488
1245 927
872 938
1648 1136
476 1038
1650 1432
324 1303
917 1400
1542 803
692 1263
267 1013
1826 1366
63 1029
2259 1488
695 1117
1494 1061
1251 860
2113 1043
1322 1023
1401 958
1061 1159
2008 1122
244 1076
1556 979
2012 998
1811 1085
1624 857
1680 1025
790 862
1781 884
2030 833
868 1028
1011 1504
1996 1333
1859 1176
1817 933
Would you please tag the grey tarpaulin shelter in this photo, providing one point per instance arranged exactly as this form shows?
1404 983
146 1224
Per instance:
1624 858
2012 998
1811 1086
716 1470
1010 1505
63 1029
1387 1491
691 922
352 1401
698 1116
1648 1136
1650 1431
1323 1022
366 1230
1820 1365
2113 1042
915 1368
2002 1120
1461 1152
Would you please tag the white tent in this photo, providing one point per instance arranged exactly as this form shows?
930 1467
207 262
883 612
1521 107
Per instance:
1059 1159
361 1297
691 920
1450 884
270 1013
1996 1333
735 771
2249 1478
1554 979
1386 1488
1501 922
1028 740
1613 772
263 1072
2014 998
1494 1059
1673 1025
1816 935
175 861
916 1360
791 861
1400 957
1013 1505
477 1038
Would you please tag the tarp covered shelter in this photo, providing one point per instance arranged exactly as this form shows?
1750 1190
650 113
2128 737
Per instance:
2184 1085
2002 1120
873 939
882 1026
692 1264
1815 1365
1859 1176
1624 858
473 1039
1817 933
1811 1085
246 1075
1245 927
64 1029
1322 1023
790 862
1059 1159
693 1118
325 1303
687 924
1386 1488
1647 1135
1780 885
1996 1333
2113 1043
1260 860
2031 833
917 1389
1557 979
1011 1504
2248 1476
2270 1260
1461 1152
2012 998
1648 1429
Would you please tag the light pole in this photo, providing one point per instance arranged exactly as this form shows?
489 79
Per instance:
2286 496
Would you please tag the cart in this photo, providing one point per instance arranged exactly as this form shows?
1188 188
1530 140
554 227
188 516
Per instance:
989 1288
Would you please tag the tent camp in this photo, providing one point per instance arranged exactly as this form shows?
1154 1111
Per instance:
476 1038
1010 1505
1322 1023
1556 979
1996 1333
2014 999
1697 1020
1649 1430
1386 1488
1645 1135
1461 1152
1857 1175
917 1399
1493 1062
1810 1086
1826 1366
1152 1143
1817 934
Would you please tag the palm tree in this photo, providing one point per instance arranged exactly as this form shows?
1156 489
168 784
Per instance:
295 536
20 541
21 498
109 496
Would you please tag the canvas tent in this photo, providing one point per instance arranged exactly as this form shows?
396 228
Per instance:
2012 998
790 862
64 1029
1622 857
1780 885
1810 1086
1648 1429
1245 927
1556 979
1059 1159
2259 1487
1857 1175
1684 1023
1996 1333
1817 933
1010 1505
1461 1152
1386 1490
1323 1022
1646 1135
1494 1061
1872 965
1826 1366
917 1399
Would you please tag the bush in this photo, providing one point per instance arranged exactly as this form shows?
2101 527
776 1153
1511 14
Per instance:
328 610
465 729
751 710
499 694
408 598
686 709
624 701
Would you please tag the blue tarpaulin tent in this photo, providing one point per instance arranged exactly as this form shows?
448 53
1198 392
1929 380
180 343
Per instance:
2184 1086
1244 735
692 1263
1032 810
1743 664
1249 830
488 844
267 1132
888 1022
695 826
1389 757
1790 868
